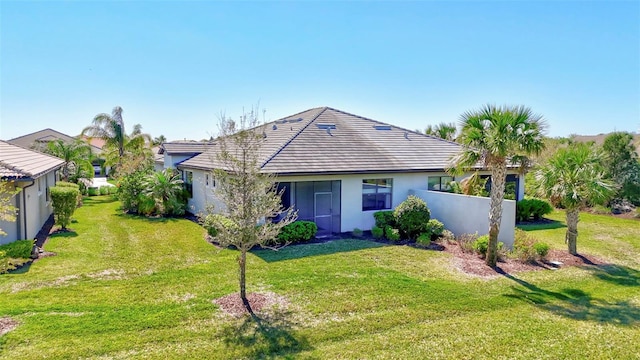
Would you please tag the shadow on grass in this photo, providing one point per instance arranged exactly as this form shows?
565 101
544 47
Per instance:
575 303
546 224
615 274
265 337
98 200
150 219
305 250
63 234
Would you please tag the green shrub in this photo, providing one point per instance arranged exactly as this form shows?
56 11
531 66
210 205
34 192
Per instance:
65 201
481 245
67 184
377 232
527 209
357 232
297 231
385 218
20 249
436 228
523 246
424 239
146 205
412 217
542 249
4 262
104 190
93 191
601 210
448 236
211 221
392 234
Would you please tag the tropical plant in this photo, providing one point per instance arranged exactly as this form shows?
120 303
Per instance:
159 140
445 131
164 187
573 178
622 166
495 136
76 156
111 129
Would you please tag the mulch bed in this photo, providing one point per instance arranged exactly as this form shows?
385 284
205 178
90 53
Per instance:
472 264
7 324
232 304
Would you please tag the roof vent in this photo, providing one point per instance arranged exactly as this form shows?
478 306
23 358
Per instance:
329 131
283 121
295 120
406 135
326 126
274 127
382 127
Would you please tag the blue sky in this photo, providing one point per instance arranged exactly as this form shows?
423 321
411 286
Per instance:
175 66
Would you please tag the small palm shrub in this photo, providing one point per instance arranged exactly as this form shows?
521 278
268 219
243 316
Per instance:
297 231
377 232
412 217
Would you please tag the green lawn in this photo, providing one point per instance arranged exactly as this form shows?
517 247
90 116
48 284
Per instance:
124 287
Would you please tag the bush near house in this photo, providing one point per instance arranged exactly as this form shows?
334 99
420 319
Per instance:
93 191
65 201
412 216
385 218
297 231
20 249
73 186
377 232
532 208
211 222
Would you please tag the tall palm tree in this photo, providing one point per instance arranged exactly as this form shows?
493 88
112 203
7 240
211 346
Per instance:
494 136
443 130
572 178
111 129
76 156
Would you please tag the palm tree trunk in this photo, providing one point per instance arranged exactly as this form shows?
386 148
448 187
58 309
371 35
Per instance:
571 237
498 177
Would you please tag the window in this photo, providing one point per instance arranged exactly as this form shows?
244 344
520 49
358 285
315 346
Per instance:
188 183
376 194
47 194
440 183
206 180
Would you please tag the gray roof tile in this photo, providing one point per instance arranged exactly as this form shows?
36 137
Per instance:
17 162
184 148
40 138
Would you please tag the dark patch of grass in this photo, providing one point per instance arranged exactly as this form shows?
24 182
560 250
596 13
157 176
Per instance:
299 251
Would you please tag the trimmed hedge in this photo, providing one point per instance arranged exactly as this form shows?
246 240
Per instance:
20 249
65 201
412 217
297 231
385 218
527 209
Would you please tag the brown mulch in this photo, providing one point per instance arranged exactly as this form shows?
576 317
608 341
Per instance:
472 264
7 324
232 304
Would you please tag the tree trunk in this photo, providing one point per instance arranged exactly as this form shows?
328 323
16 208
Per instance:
242 261
498 178
571 237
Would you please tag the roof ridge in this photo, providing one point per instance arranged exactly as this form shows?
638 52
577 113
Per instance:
324 108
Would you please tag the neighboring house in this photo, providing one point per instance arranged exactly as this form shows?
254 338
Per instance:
34 173
177 151
158 159
38 141
337 168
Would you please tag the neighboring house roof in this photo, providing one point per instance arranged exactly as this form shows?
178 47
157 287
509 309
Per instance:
326 140
42 137
184 148
18 163
157 157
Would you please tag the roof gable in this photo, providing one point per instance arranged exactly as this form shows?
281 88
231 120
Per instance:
327 140
17 162
44 136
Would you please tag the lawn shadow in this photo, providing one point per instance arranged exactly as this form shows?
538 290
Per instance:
575 303
63 234
544 224
267 337
615 274
299 251
150 219
90 201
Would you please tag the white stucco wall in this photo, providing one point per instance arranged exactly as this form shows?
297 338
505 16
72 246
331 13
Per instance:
170 161
11 228
469 214
203 195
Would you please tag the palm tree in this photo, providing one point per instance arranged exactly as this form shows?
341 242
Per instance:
159 140
110 128
163 187
573 178
443 131
494 136
76 156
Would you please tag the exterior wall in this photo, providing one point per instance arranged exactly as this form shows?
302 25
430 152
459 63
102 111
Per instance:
38 209
467 214
11 228
170 161
203 195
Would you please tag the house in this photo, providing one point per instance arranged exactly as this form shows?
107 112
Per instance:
337 168
34 173
175 152
38 141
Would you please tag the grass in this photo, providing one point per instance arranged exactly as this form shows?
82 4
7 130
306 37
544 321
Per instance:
129 287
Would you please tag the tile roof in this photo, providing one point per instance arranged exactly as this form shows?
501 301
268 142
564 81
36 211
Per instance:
42 137
184 148
17 162
327 140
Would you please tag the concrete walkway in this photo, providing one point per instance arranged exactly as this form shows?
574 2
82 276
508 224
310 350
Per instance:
100 181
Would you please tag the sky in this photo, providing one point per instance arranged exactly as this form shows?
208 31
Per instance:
175 67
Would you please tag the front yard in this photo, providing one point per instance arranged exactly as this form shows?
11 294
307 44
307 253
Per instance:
123 287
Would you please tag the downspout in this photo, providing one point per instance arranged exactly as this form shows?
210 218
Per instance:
24 205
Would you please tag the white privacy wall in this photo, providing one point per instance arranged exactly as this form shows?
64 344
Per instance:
467 214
